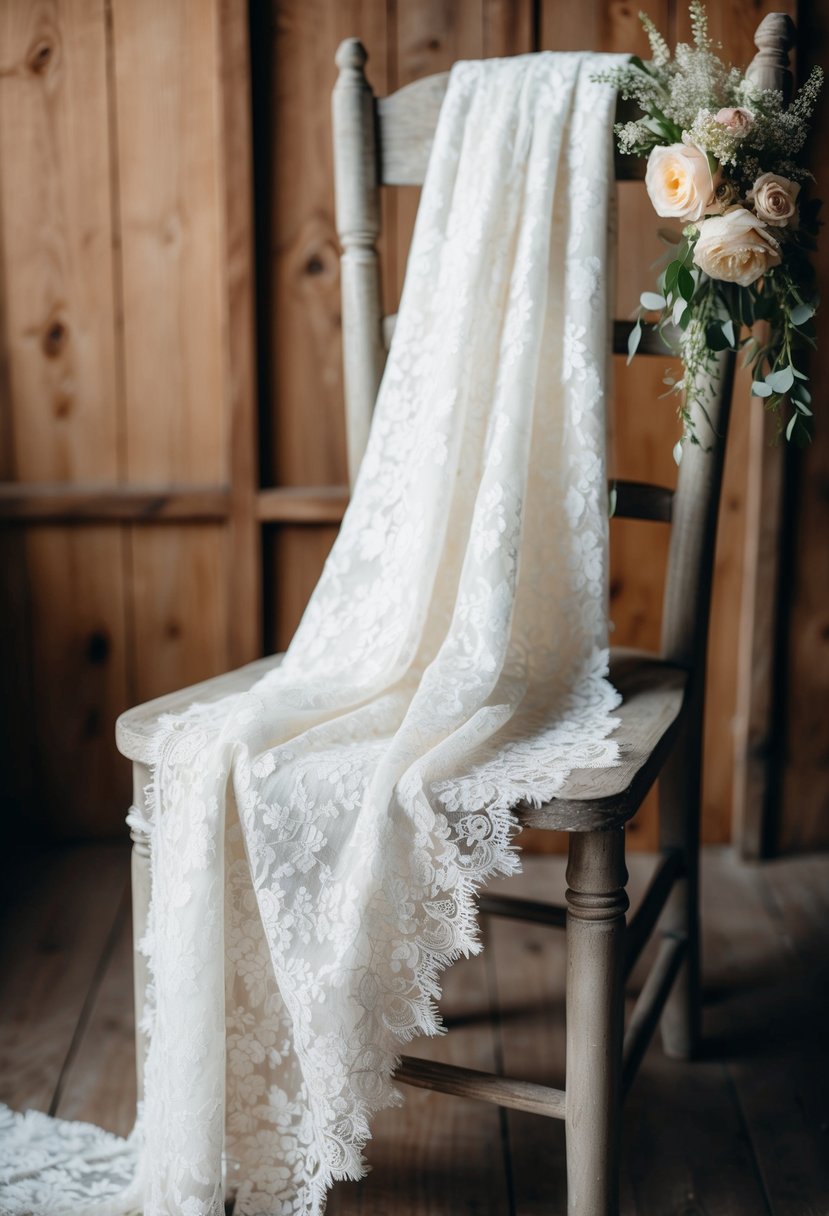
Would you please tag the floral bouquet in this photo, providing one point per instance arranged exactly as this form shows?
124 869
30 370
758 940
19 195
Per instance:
723 160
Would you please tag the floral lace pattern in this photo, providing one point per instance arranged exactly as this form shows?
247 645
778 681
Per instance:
317 842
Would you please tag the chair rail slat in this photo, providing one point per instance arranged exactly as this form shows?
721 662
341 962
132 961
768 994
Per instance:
406 122
651 343
484 1086
641 500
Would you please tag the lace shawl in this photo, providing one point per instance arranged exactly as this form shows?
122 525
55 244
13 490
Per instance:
318 841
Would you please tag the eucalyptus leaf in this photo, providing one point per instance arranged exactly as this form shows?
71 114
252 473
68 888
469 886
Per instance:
791 425
679 308
803 408
652 301
801 313
760 389
728 332
611 502
634 340
781 381
677 453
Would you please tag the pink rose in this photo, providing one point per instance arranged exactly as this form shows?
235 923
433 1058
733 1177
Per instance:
775 200
737 120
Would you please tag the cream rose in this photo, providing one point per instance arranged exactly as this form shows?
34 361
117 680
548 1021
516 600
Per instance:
737 120
775 200
736 247
679 181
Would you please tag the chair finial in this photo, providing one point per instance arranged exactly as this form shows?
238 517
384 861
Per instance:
774 38
351 54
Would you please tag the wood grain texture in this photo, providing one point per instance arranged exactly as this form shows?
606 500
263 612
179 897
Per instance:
56 242
51 950
56 502
740 1132
296 555
63 597
244 572
98 1081
181 605
166 74
803 724
79 679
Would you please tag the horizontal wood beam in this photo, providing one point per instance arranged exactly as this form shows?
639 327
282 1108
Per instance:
55 503
302 505
650 343
651 1002
483 1086
58 503
536 911
643 921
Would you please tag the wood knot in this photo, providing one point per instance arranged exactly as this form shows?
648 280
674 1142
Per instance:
62 407
172 630
55 337
97 647
40 56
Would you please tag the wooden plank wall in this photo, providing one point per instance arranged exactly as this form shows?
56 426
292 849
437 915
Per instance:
132 461
116 332
802 724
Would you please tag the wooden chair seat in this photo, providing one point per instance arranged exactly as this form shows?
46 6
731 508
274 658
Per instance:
652 697
593 799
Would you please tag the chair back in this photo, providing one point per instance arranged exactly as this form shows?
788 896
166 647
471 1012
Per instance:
386 142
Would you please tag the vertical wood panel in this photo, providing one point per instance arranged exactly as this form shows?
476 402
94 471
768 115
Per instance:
180 605
170 128
63 599
169 163
297 556
245 557
804 722
78 678
55 236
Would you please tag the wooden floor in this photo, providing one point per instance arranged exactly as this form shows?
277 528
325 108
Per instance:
742 1132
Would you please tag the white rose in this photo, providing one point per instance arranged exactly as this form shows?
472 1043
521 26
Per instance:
738 120
679 181
736 247
775 200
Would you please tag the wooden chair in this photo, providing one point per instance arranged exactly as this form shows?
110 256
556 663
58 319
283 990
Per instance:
386 142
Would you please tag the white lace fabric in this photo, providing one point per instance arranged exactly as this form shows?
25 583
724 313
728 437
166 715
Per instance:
317 842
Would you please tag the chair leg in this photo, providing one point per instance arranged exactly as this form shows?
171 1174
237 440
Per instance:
596 906
680 787
140 909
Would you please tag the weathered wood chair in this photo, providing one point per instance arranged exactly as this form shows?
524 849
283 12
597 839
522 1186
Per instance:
386 142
